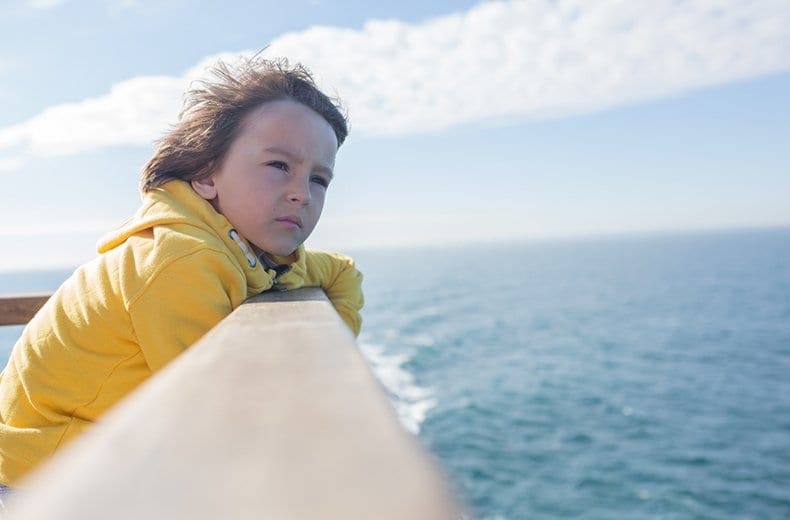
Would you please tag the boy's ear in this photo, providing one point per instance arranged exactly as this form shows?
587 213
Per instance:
205 188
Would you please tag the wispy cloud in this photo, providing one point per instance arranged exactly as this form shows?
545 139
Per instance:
499 60
135 111
44 4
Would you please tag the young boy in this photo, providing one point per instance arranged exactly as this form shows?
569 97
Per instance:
229 197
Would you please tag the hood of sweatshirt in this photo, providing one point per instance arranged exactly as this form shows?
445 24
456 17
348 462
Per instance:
177 203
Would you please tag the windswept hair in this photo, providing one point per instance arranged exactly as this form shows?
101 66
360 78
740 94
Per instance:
214 109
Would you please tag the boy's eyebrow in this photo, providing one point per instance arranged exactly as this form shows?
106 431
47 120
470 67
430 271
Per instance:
297 158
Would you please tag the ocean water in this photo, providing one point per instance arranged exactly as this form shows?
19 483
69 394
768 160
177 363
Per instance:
633 377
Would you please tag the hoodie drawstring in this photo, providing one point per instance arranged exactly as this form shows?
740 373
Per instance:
251 259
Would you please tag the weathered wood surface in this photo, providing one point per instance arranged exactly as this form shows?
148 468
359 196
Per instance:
274 414
19 309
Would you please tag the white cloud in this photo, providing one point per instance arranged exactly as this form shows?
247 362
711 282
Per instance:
135 111
499 60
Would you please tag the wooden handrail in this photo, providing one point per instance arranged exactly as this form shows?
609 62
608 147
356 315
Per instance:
273 414
19 309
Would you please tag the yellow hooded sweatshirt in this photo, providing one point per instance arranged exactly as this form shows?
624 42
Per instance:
162 280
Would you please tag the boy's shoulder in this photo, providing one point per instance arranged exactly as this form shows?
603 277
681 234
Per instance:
168 243
172 223
177 249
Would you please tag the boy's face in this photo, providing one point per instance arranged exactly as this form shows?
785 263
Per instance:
273 180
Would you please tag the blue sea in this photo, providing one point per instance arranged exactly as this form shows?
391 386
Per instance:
643 376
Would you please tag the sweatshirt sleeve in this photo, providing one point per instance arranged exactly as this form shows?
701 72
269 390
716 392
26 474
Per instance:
181 302
342 282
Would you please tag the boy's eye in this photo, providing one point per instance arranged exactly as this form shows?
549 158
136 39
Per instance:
320 180
279 165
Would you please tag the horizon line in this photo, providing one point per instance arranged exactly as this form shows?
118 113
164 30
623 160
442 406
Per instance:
514 241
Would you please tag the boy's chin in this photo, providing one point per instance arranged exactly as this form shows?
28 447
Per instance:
282 251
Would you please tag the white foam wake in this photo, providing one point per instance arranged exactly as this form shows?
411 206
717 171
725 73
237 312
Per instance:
412 402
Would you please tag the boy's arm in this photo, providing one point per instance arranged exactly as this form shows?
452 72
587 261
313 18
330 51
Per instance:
181 302
341 281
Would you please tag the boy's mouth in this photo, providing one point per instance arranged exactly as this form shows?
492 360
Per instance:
296 221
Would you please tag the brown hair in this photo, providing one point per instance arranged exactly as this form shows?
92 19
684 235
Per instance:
214 110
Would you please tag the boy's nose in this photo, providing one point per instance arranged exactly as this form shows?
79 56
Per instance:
299 192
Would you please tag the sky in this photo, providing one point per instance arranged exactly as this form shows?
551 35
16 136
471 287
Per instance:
471 122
